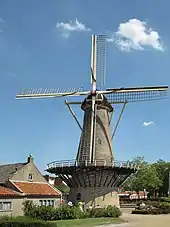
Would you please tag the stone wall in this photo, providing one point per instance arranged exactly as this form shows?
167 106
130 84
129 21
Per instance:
102 136
102 196
95 187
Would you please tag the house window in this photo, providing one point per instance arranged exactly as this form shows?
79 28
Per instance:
30 177
46 203
52 203
6 205
41 202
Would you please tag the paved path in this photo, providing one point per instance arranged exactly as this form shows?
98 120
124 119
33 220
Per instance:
135 220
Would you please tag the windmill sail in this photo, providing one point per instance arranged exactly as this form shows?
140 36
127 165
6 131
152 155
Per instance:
136 94
98 59
50 93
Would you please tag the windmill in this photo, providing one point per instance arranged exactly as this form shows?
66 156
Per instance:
95 174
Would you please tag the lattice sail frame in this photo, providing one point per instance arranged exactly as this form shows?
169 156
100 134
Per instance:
136 96
114 95
101 60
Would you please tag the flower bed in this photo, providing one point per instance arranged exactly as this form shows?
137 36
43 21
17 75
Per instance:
153 208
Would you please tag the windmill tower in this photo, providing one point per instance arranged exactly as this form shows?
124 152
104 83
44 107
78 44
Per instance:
95 174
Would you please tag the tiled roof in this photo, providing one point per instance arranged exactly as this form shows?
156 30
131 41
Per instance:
34 188
6 171
7 192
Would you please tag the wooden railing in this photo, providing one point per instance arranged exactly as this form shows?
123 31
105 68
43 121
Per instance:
73 162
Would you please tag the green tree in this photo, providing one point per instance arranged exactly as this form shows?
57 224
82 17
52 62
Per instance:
163 169
128 185
146 178
63 188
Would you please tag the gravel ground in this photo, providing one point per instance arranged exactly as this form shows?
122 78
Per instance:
135 220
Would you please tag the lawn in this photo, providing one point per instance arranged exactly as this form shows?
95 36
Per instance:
88 222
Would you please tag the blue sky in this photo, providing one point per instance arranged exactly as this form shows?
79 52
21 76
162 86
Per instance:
36 53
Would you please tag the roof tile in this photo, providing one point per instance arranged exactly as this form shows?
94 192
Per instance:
7 192
6 171
34 188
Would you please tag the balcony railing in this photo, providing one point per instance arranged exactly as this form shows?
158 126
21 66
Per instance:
87 163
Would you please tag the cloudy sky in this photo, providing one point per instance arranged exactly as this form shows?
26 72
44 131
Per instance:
47 45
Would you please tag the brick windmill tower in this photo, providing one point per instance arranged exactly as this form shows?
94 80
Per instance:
95 175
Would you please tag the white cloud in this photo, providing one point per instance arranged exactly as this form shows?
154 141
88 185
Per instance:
148 123
135 34
72 26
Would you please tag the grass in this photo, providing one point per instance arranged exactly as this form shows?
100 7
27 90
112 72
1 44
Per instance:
87 222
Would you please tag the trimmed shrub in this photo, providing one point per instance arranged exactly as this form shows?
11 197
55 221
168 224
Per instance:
140 211
164 205
113 211
44 213
50 213
151 203
66 212
28 208
153 208
164 199
109 211
97 213
23 222
154 211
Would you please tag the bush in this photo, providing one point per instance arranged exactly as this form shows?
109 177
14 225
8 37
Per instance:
153 208
23 222
109 211
154 211
164 205
44 213
144 211
113 211
164 199
50 213
28 208
151 203
66 212
97 213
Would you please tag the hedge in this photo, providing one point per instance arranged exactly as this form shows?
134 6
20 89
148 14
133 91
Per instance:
23 222
151 211
67 212
164 199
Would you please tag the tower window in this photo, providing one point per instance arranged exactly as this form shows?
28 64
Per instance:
78 196
99 141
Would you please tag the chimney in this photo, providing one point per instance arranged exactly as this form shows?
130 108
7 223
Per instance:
30 159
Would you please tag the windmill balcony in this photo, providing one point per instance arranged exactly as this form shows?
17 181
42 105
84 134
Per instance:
95 163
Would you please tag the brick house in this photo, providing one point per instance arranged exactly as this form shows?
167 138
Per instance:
23 181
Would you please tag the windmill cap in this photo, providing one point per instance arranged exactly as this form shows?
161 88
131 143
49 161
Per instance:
101 100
